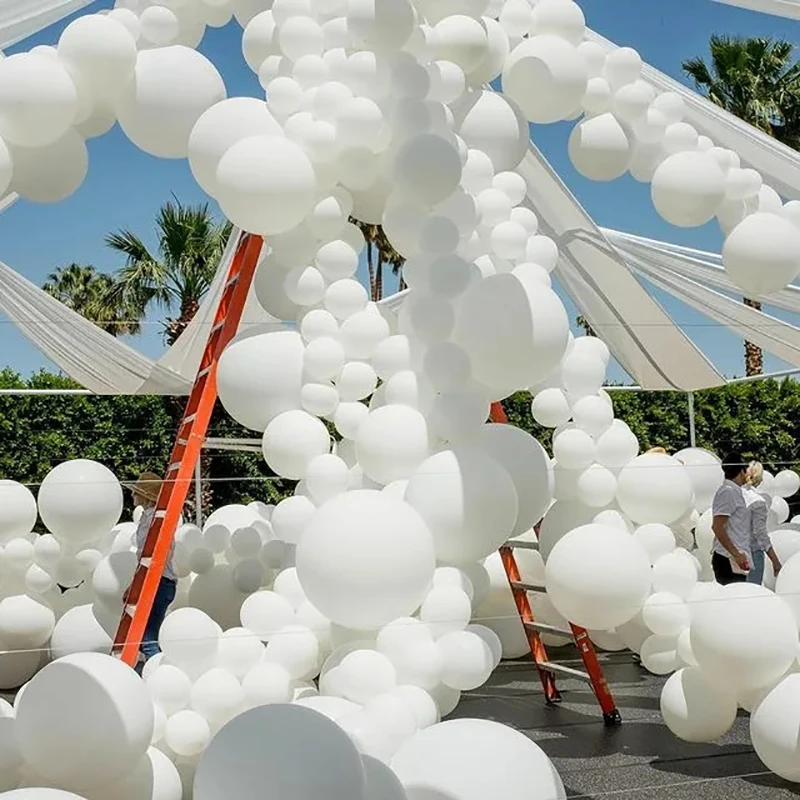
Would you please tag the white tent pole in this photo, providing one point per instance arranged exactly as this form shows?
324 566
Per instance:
198 491
690 397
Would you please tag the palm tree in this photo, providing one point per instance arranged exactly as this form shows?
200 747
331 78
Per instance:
756 80
584 323
90 293
190 244
379 245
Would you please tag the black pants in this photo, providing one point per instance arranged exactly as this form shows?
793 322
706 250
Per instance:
723 570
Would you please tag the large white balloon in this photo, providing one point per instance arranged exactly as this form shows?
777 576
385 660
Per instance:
598 576
654 488
50 173
259 376
17 510
255 755
468 501
79 501
222 126
366 558
84 720
761 254
688 189
773 729
292 440
705 473
472 759
695 708
599 148
171 89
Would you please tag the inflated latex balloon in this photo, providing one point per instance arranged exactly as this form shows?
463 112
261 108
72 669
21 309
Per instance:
705 473
392 442
50 173
266 184
657 539
189 639
171 89
25 623
79 501
38 100
366 558
255 754
119 727
492 125
772 725
17 510
612 583
560 18
222 126
462 40
470 759
617 446
760 254
688 189
427 169
665 614
292 440
259 376
599 148
696 708
654 488
745 640
547 79
550 407
468 501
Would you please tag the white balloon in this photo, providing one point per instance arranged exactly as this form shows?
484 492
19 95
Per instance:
654 488
695 708
17 510
688 189
427 168
292 440
50 173
771 725
460 39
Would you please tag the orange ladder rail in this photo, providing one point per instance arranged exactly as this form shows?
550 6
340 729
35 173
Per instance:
138 601
546 668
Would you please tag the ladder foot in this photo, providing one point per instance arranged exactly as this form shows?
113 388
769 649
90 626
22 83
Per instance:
612 719
555 700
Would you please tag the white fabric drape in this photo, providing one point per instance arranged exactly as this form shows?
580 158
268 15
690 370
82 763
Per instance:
779 8
778 164
97 360
639 333
22 18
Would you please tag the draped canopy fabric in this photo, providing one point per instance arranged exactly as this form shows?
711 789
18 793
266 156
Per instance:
22 18
779 8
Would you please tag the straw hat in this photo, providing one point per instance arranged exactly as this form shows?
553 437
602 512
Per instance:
147 486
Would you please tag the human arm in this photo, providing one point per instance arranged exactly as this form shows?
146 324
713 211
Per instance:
773 557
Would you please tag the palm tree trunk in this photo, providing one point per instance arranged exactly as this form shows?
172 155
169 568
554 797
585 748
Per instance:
378 295
402 285
753 355
371 267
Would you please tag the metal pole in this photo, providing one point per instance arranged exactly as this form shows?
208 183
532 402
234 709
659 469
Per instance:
690 396
198 491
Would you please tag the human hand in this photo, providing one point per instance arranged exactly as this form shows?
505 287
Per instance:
776 567
742 561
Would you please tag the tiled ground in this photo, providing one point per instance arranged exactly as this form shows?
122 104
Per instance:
641 760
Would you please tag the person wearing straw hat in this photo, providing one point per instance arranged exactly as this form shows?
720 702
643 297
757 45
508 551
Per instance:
145 494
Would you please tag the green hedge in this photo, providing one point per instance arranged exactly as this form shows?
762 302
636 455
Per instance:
132 434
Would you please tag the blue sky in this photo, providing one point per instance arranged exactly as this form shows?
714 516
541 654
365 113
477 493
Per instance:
125 187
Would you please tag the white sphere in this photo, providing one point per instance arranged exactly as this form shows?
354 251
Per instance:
259 376
189 639
654 488
674 573
266 683
597 486
745 613
471 759
256 755
467 658
599 148
461 40
688 189
786 483
657 539
187 733
705 473
345 298
468 501
170 688
222 126
79 501
593 414
561 18
365 559
427 169
292 440
391 443
25 623
364 674
120 726
760 254
171 89
38 100
696 708
50 173
611 586
17 510
527 464
493 125
665 614
617 446
550 407
356 381
159 25
533 336
546 77
773 727
265 613
266 184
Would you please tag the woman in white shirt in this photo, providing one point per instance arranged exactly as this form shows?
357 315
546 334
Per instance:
760 543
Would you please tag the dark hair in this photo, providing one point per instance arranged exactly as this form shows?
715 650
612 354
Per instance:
733 464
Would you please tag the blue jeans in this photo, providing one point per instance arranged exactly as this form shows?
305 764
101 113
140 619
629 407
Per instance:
164 597
756 574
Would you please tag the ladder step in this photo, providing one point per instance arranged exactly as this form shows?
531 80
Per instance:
542 627
218 327
173 467
549 666
232 281
514 544
528 587
203 373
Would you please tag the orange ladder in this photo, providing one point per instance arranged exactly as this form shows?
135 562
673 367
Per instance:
546 668
138 602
